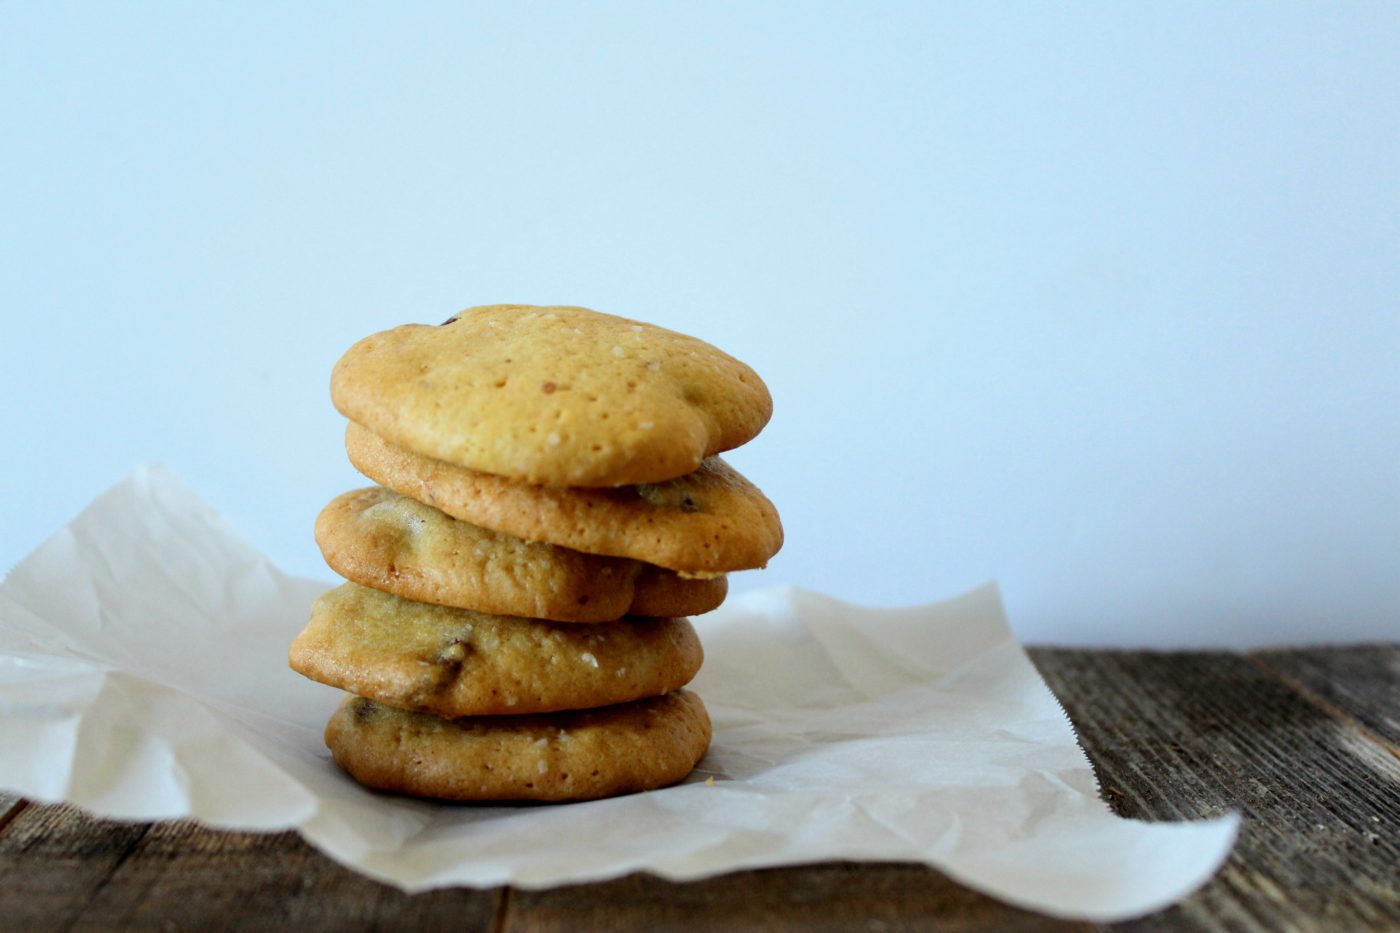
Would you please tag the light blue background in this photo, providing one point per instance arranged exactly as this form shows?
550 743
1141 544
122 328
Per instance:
1100 300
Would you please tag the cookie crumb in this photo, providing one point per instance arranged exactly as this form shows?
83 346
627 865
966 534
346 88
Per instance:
709 782
587 658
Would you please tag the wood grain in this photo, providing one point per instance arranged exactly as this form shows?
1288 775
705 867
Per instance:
1180 736
824 897
1358 681
60 869
54 861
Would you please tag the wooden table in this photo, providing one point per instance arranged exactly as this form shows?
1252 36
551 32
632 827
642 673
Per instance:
1305 743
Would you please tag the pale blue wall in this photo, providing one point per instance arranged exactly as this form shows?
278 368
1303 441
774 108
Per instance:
1100 300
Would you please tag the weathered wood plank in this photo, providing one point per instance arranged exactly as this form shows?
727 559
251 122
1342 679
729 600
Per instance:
189 877
829 896
10 805
1177 736
1360 681
51 861
70 871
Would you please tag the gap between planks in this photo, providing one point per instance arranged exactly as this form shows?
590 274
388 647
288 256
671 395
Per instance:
501 917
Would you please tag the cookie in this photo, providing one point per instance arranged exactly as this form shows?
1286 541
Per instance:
564 756
707 522
455 662
558 396
381 539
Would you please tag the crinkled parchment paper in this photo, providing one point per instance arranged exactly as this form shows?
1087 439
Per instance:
143 675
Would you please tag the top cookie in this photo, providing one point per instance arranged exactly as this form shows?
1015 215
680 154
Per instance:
556 396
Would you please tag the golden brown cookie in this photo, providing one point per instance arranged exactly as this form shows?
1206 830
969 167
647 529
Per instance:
563 756
554 395
455 662
381 539
707 522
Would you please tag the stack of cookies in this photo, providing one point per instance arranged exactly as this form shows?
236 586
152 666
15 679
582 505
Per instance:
549 509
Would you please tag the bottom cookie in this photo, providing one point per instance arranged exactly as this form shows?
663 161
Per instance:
578 755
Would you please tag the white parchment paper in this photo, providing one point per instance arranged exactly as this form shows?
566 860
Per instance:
143 675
